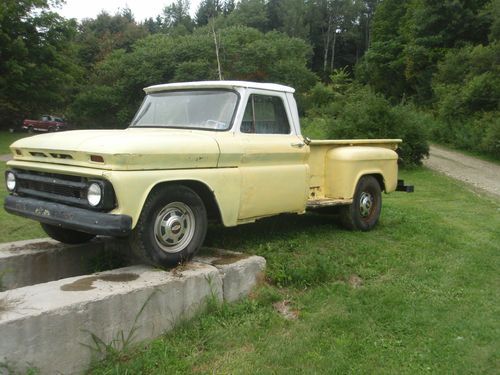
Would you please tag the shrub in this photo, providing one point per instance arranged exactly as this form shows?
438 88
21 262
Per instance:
490 142
361 113
467 88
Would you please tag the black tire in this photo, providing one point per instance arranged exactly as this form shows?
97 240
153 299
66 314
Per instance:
364 212
171 228
64 235
30 129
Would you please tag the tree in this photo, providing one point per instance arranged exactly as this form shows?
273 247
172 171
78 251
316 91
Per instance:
115 90
209 9
410 38
38 70
335 33
98 37
176 15
293 18
251 13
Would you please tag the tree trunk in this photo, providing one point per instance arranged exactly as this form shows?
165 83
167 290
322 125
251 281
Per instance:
334 42
367 34
327 43
216 51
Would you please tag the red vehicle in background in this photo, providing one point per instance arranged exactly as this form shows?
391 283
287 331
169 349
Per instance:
47 123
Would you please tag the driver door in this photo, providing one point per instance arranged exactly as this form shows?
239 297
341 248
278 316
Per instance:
273 167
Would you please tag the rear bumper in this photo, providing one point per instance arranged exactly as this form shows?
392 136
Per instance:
406 188
69 217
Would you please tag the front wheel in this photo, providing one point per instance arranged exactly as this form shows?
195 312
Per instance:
171 228
364 212
64 235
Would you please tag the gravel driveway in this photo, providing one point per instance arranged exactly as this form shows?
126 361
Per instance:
481 174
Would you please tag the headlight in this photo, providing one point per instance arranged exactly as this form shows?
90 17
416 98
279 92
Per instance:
94 194
10 181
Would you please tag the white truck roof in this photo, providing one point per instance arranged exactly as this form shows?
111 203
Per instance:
218 84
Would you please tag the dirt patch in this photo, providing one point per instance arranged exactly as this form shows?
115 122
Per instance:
7 304
223 256
178 270
86 283
355 281
478 173
229 259
284 308
4 305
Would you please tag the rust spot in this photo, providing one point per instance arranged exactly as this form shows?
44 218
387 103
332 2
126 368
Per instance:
86 283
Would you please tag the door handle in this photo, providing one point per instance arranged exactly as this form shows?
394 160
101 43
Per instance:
298 145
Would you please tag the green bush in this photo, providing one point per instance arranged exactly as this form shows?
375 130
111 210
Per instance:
360 113
490 142
467 89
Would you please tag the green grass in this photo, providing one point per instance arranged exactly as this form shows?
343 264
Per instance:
429 302
15 228
6 138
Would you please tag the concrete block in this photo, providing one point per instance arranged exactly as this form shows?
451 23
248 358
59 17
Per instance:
53 325
50 326
240 272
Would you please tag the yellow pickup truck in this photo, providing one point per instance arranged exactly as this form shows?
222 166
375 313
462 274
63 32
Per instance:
227 151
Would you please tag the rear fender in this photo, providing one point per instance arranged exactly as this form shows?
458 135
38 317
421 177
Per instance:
346 165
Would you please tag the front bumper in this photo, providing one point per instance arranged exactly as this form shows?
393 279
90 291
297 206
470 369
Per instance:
69 217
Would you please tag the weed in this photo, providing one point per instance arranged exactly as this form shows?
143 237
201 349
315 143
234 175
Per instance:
8 368
122 342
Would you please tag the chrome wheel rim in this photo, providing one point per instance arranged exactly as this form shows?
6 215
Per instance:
174 227
365 204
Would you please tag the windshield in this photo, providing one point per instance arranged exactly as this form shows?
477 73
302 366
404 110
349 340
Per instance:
194 109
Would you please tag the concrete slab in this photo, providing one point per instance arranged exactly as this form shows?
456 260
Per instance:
31 262
52 326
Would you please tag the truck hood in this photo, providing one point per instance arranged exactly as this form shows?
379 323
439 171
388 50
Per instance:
129 149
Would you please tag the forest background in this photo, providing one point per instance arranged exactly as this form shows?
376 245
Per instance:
419 69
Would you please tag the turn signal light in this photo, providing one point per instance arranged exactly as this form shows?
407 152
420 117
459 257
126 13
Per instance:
97 158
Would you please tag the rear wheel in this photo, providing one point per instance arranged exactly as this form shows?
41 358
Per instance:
64 235
364 212
171 228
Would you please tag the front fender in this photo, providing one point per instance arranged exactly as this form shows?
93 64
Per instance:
133 187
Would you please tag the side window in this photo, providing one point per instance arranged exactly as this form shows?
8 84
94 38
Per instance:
265 115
